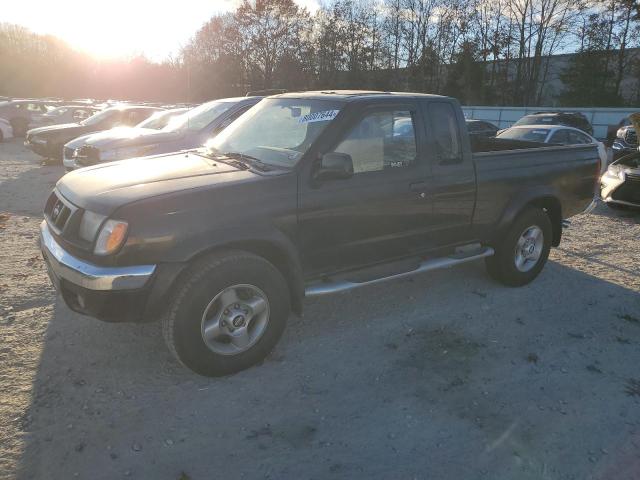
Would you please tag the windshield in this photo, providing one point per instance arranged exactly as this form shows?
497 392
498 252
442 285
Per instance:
276 131
529 134
198 118
99 117
160 120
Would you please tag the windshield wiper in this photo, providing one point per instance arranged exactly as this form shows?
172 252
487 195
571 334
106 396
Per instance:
248 160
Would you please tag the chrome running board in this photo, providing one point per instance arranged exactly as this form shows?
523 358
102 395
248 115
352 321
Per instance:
335 286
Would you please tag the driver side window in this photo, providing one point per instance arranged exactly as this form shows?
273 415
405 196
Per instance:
381 140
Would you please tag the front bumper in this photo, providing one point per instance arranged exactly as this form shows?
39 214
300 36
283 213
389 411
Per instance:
620 190
116 294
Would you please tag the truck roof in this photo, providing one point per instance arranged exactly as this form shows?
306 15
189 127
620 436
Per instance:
353 95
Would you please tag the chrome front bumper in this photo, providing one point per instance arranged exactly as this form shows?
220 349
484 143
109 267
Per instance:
63 265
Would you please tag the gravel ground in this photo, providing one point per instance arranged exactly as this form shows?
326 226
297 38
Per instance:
444 376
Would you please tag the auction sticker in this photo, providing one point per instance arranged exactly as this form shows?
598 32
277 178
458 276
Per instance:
319 116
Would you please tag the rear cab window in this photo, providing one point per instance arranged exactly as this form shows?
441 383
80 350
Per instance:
445 134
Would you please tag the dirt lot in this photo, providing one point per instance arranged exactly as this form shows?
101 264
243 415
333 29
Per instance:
445 376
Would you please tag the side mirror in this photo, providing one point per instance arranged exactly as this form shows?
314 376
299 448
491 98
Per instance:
334 166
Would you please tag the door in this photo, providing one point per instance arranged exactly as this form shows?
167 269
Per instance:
379 213
453 184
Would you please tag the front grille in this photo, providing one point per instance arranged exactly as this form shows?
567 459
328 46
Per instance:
88 155
68 152
58 212
631 136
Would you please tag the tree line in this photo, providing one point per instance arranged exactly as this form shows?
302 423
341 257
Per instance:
491 52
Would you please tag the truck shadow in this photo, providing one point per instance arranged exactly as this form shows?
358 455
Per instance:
441 376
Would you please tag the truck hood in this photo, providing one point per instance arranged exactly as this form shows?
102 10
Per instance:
105 187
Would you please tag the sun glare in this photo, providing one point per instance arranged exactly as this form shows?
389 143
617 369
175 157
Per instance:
119 27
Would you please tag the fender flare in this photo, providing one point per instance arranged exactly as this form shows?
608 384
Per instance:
542 197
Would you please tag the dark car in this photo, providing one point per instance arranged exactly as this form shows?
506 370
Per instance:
306 194
190 130
19 113
481 128
62 114
568 119
49 141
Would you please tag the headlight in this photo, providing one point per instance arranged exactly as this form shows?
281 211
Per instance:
613 174
89 225
111 237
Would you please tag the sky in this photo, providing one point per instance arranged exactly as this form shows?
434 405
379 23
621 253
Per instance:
117 28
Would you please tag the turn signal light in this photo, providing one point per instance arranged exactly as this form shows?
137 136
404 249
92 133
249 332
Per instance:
111 237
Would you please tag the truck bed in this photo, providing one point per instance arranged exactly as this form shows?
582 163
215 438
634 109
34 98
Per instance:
564 172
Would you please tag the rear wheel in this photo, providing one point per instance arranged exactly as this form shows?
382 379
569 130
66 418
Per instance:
227 313
524 250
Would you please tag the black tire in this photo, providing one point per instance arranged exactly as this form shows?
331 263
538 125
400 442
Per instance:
502 266
1 137
206 278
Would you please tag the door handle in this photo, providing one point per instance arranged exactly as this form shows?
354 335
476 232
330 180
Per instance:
421 188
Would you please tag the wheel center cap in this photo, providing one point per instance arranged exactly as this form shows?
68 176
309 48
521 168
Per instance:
238 321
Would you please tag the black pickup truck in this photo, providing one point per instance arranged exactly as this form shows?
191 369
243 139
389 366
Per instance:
305 194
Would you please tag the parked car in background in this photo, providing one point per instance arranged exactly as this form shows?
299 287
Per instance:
305 194
569 119
63 114
481 128
49 141
6 131
73 149
160 120
620 185
558 135
626 141
20 112
190 130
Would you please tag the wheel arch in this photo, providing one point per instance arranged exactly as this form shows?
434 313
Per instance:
544 200
280 256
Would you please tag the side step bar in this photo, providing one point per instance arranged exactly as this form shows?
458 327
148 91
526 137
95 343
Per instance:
335 286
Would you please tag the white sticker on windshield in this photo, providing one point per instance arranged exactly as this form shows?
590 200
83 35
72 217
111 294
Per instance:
319 116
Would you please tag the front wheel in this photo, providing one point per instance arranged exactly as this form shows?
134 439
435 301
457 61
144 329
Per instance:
227 313
524 250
